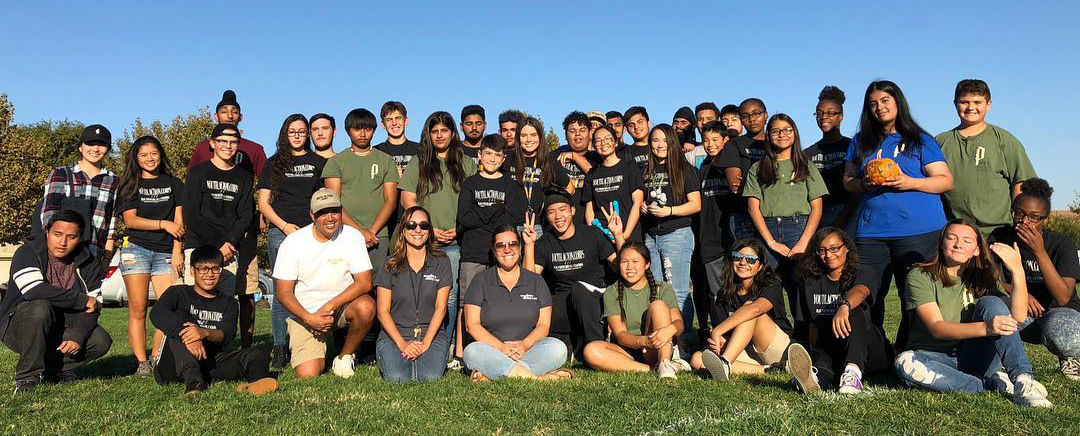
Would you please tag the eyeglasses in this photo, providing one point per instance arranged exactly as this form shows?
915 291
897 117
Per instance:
412 225
833 250
507 246
297 133
830 114
786 131
1019 215
750 259
603 141
208 269
227 142
751 115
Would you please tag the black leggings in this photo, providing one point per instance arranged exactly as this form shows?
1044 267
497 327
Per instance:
177 364
866 347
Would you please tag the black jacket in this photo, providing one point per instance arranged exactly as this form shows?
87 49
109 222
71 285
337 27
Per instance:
28 282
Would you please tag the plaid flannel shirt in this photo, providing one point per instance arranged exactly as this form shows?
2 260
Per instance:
100 190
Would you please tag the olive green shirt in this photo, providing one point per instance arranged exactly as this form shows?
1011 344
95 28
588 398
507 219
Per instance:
362 180
636 304
441 205
984 168
955 302
785 198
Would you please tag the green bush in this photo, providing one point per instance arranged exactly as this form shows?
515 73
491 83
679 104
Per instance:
1066 223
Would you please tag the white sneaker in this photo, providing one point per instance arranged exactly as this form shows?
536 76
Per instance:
343 366
1070 368
719 368
802 368
666 370
681 365
1030 393
1004 385
455 364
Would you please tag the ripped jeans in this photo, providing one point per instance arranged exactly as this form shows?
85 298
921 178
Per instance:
971 366
671 255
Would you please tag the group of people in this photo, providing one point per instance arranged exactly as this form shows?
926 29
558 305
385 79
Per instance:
497 254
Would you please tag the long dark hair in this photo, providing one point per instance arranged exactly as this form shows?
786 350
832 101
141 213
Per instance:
980 275
674 162
130 180
728 294
872 131
398 259
430 180
517 156
622 284
811 267
769 168
283 157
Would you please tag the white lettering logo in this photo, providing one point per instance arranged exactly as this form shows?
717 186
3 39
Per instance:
980 154
374 171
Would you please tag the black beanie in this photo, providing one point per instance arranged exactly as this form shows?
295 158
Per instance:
685 113
228 98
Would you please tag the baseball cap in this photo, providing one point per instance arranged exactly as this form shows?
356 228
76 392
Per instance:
221 128
96 133
324 199
597 115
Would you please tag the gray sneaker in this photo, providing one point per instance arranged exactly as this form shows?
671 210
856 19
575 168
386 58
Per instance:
145 369
719 368
802 368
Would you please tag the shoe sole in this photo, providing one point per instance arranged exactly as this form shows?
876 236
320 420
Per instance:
801 367
715 366
259 387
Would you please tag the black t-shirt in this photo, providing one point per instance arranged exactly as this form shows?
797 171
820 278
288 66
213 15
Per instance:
571 173
820 297
181 304
716 201
402 154
508 314
156 199
638 154
741 152
472 153
658 192
580 258
413 294
1062 251
292 200
218 206
828 157
721 310
483 205
605 185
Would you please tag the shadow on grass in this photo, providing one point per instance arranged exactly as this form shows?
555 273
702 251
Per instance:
108 367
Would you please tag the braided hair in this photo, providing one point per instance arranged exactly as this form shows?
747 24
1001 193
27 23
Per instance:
620 287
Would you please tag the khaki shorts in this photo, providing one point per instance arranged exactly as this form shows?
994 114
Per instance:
227 283
305 345
247 276
770 356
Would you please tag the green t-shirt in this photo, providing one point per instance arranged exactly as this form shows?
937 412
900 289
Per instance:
785 198
362 180
955 302
636 304
442 205
984 169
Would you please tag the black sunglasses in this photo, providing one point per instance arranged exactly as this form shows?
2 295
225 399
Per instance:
412 225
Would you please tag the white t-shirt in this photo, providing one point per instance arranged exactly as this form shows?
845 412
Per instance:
322 270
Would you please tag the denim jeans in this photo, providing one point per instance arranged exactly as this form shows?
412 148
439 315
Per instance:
429 366
890 257
546 355
787 230
278 313
671 255
453 252
1058 329
969 368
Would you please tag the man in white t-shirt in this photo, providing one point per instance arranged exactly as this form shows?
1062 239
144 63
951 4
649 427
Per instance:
324 282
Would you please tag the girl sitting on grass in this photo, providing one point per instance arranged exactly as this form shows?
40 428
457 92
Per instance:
644 320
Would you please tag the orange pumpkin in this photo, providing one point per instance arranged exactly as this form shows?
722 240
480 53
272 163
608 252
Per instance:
880 170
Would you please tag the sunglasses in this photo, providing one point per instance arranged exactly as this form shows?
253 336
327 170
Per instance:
504 246
412 225
749 258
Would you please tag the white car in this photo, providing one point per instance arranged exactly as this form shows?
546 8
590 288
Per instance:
114 292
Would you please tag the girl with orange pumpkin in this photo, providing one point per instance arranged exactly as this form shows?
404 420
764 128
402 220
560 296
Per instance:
899 172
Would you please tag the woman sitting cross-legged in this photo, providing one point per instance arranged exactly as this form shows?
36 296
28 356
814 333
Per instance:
835 296
508 313
962 331
644 319
750 328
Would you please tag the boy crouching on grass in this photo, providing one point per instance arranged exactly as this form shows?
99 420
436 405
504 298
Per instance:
198 322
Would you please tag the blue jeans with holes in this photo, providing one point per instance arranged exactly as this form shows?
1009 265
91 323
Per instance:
1058 329
454 253
546 355
671 255
278 313
429 366
969 368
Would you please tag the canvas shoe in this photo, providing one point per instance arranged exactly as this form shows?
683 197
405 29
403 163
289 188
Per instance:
343 366
1030 393
1004 384
850 383
718 367
802 368
666 370
1070 368
145 369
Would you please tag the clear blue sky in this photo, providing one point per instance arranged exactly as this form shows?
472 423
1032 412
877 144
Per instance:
100 62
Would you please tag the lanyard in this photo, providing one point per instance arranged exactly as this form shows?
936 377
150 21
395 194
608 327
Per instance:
531 184
413 276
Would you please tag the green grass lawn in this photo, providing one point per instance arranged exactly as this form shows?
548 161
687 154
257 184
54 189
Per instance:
107 401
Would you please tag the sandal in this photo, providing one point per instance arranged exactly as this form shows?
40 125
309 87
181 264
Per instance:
559 374
478 377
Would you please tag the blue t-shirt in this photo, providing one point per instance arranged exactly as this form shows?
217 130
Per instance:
888 213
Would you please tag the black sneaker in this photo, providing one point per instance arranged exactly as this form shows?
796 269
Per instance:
279 356
26 386
193 389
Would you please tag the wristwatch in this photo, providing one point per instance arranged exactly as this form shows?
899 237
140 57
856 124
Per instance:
843 302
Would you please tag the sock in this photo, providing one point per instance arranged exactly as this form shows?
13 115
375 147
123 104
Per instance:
852 368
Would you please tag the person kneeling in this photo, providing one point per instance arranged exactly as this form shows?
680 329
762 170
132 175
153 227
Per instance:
324 282
748 311
49 313
835 296
198 321
643 319
508 312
